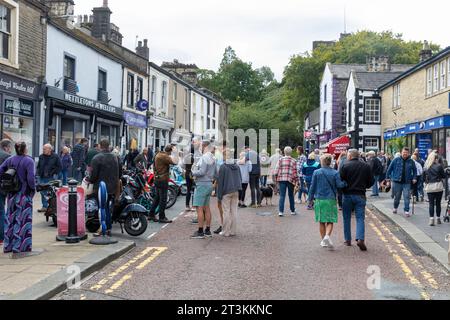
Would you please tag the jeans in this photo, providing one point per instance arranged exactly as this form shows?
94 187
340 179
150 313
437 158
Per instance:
44 193
399 189
375 188
420 186
263 181
302 189
2 216
160 200
435 201
255 189
290 188
243 192
355 203
63 176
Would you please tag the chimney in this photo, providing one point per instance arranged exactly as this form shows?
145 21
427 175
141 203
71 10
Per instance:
101 24
426 53
60 8
378 64
143 51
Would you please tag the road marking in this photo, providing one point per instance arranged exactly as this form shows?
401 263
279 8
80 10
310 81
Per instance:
121 269
151 236
118 284
425 274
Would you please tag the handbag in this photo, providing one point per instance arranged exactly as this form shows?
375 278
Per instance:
434 187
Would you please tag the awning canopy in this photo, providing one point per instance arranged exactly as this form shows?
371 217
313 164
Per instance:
338 145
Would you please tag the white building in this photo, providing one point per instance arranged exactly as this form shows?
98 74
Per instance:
160 124
84 93
204 114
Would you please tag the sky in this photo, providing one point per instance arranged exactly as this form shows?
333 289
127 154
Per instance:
264 32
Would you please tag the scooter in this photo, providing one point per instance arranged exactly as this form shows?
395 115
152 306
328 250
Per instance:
177 176
50 188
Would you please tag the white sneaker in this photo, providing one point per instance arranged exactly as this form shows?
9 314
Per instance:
407 214
294 213
323 245
281 214
326 241
330 244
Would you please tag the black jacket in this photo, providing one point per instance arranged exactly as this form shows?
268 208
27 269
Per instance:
376 166
435 174
48 166
106 168
358 176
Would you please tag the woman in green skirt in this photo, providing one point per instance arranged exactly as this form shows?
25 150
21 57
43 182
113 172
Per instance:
323 192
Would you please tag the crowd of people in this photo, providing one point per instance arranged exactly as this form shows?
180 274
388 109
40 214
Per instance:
325 183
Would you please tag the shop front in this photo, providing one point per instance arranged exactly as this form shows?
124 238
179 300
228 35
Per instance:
69 118
425 135
136 131
159 131
19 109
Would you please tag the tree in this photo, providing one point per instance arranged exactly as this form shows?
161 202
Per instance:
266 75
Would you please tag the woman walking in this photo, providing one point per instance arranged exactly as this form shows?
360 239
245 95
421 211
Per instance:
66 162
434 175
245 166
18 220
323 192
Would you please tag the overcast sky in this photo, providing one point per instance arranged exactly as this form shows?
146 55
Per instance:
264 32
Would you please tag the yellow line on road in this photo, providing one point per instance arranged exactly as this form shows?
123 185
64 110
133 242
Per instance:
121 269
118 284
406 270
425 274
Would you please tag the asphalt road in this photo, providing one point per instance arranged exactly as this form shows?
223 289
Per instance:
270 258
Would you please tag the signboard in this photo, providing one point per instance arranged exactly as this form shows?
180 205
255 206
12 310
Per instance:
62 205
19 107
90 103
424 143
307 134
135 120
142 105
339 145
18 86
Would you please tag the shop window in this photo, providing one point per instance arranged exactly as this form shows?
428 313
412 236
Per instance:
18 129
441 145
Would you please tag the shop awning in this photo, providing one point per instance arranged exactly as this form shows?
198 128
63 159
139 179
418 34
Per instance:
338 145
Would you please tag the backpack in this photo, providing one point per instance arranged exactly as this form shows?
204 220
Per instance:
10 182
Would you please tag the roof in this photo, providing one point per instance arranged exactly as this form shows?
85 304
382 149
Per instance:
342 71
418 67
372 80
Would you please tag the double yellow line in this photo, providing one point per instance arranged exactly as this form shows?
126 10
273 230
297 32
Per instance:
155 252
395 248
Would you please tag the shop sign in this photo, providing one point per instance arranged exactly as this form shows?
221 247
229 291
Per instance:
90 103
19 107
142 105
135 120
18 86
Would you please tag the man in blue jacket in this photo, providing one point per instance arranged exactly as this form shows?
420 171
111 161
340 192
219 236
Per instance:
402 172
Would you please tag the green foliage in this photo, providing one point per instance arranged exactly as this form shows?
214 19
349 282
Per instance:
396 145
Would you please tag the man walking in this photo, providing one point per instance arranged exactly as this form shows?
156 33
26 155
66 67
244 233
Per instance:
163 160
287 177
402 172
5 152
377 170
255 175
204 173
79 158
359 178
106 168
48 168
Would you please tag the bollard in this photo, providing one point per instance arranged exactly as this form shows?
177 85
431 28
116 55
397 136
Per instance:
73 198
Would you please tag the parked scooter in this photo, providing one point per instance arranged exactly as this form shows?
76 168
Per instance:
177 176
50 188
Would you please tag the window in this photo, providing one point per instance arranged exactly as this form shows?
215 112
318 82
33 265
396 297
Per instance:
324 121
372 111
140 89
175 92
443 75
153 95
164 95
175 114
130 89
371 144
350 118
396 103
5 31
186 120
344 116
69 68
436 78
186 93
325 93
429 81
102 80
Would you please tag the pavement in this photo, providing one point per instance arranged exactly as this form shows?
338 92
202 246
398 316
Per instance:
57 268
430 239
270 258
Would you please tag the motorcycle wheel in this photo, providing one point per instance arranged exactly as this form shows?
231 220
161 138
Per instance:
172 195
135 224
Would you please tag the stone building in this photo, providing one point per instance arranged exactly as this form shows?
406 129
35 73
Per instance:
23 33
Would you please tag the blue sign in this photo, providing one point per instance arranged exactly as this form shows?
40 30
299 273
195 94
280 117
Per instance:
424 143
142 105
135 120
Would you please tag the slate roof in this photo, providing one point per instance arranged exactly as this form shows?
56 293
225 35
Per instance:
342 71
373 80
